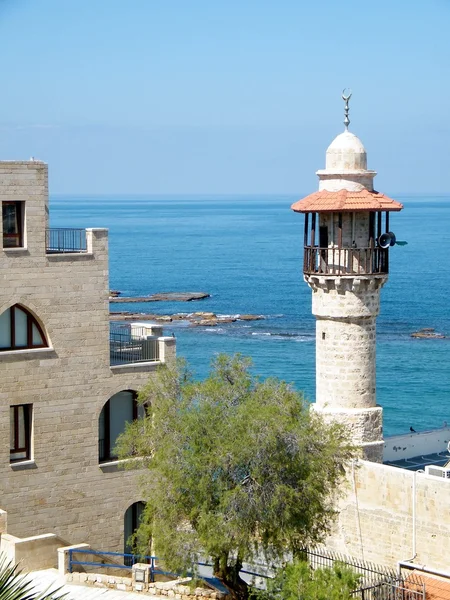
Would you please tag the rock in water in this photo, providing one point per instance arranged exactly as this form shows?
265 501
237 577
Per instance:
164 297
428 333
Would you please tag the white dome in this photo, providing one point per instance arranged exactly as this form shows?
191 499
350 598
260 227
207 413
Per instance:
346 153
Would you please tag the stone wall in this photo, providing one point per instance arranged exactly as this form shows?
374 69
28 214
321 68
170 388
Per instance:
385 508
346 309
63 489
171 589
32 553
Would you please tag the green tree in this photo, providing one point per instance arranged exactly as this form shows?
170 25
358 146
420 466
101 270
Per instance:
235 468
15 586
297 581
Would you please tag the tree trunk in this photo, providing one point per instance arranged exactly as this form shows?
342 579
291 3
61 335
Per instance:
229 575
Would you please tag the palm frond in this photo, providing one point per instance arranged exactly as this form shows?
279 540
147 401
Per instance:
15 586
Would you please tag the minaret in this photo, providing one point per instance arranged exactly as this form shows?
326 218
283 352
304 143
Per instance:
346 263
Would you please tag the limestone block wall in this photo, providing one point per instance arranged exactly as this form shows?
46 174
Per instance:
389 514
32 553
62 489
27 181
345 364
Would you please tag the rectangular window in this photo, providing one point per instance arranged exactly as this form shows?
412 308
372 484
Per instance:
20 432
13 219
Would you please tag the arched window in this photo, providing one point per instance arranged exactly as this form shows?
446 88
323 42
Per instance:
19 330
122 408
132 520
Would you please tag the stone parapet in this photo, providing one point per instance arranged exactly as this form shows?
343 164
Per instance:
31 553
345 297
172 589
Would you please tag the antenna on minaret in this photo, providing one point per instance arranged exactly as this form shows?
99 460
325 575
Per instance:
346 95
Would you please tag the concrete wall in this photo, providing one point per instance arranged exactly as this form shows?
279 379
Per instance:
385 508
63 489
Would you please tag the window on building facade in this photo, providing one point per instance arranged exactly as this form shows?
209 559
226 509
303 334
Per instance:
13 224
20 330
132 520
122 408
20 432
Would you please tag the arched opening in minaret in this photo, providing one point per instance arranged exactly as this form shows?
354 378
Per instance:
346 242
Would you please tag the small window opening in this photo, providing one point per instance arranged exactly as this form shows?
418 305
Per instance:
323 335
20 432
13 219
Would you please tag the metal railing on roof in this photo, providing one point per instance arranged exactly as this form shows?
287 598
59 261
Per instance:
132 345
63 240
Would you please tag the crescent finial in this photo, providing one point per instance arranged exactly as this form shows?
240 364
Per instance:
346 95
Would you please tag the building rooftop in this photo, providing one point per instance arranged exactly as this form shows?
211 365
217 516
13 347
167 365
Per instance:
417 463
346 201
436 588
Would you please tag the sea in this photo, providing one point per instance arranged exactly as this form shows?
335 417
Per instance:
246 252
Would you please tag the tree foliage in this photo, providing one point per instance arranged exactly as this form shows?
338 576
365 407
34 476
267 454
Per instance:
236 467
297 581
15 586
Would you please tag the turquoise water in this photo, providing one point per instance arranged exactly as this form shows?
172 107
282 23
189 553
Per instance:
247 253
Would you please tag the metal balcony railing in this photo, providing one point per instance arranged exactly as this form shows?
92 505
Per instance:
345 261
64 240
129 345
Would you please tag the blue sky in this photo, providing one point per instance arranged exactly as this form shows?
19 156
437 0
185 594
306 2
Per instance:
224 96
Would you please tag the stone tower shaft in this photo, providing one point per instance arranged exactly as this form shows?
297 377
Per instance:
346 309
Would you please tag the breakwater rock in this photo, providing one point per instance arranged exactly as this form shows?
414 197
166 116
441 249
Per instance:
196 319
428 333
160 297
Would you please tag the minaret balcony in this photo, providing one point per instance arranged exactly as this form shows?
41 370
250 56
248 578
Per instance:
345 261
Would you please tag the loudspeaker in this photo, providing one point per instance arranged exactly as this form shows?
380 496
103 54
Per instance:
386 239
393 238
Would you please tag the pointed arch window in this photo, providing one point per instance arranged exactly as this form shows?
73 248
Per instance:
122 408
19 330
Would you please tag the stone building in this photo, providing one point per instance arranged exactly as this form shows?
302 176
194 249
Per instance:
67 383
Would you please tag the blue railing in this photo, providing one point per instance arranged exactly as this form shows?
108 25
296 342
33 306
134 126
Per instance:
126 561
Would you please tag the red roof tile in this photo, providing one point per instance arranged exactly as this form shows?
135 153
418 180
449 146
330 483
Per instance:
345 201
436 588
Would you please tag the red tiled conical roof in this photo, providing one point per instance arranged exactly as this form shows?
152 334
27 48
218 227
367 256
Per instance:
346 201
